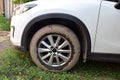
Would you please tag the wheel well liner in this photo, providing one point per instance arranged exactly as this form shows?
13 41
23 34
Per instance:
57 18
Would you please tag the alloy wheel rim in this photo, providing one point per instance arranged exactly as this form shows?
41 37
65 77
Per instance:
54 50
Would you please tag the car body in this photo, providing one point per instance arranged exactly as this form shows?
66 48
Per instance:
94 22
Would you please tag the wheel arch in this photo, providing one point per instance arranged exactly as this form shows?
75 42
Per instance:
57 18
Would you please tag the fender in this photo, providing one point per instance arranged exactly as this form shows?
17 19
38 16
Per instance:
59 18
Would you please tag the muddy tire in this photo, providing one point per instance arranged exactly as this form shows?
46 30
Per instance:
55 48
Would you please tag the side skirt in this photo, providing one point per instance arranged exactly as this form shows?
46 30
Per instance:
104 57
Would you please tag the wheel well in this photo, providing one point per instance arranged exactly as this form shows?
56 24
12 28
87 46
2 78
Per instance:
35 27
79 29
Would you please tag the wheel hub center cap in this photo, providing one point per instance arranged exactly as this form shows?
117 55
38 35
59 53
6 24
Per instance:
54 50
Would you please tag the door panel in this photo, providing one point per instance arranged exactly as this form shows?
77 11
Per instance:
108 34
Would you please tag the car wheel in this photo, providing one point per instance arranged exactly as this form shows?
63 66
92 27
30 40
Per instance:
55 48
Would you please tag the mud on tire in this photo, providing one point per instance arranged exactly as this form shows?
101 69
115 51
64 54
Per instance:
55 48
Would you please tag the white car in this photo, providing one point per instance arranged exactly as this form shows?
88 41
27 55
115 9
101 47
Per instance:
60 32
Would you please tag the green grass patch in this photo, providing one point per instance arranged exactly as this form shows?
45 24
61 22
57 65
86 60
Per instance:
4 23
21 1
17 65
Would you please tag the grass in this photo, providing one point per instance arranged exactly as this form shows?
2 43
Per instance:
17 65
21 1
4 23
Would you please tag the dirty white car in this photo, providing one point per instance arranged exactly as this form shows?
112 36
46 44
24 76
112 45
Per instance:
60 32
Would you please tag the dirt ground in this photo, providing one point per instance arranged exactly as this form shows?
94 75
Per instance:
4 40
4 36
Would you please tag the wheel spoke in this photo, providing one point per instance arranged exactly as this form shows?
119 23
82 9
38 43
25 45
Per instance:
46 56
63 57
57 59
64 44
64 51
40 50
50 60
50 38
57 41
45 44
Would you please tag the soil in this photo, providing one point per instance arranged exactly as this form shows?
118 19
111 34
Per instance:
4 41
4 36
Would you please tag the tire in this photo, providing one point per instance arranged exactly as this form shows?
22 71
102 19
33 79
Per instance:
55 48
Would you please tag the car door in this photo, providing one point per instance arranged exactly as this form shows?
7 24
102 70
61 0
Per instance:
108 30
